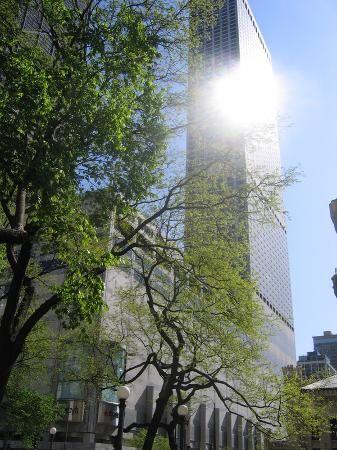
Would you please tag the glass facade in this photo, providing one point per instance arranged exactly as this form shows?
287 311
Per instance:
315 363
235 39
221 43
109 394
327 345
75 366
33 22
71 390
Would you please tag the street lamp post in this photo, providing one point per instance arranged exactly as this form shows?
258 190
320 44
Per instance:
123 393
68 411
182 411
52 433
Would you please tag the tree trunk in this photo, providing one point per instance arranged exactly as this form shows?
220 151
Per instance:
152 430
8 356
20 209
4 376
172 439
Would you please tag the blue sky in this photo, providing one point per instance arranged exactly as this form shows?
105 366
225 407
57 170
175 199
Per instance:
302 38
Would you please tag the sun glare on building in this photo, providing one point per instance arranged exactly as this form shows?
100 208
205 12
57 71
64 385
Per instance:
247 95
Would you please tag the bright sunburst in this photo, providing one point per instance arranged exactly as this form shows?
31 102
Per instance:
245 96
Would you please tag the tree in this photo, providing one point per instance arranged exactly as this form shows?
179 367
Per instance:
87 357
193 317
28 413
28 410
87 116
302 412
160 443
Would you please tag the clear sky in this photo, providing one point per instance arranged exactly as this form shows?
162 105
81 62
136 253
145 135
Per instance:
302 38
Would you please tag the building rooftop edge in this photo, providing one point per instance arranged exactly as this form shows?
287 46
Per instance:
327 383
246 2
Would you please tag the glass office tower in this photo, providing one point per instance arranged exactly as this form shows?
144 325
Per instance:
327 345
233 41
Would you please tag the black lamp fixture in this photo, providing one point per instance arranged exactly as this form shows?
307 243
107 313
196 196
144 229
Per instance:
182 412
52 433
123 393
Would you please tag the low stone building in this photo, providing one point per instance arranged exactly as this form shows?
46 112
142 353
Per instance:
326 440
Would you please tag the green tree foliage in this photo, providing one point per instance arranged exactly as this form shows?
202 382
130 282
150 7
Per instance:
160 442
303 413
87 357
193 317
29 414
83 124
28 410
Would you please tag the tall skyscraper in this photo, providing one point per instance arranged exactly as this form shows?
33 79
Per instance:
234 52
